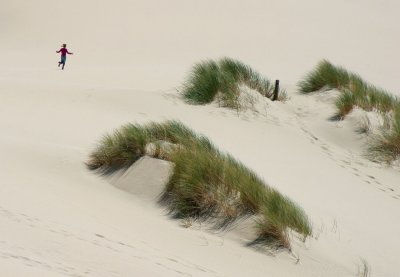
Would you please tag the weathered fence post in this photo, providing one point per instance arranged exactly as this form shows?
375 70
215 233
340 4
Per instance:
276 91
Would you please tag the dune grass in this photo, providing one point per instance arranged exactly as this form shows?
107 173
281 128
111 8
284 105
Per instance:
355 92
385 146
204 83
325 75
211 79
206 184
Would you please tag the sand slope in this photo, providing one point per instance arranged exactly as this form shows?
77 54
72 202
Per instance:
59 219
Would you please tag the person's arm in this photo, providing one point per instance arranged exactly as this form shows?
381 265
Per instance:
70 53
58 51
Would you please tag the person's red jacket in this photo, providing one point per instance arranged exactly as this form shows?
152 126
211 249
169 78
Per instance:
64 52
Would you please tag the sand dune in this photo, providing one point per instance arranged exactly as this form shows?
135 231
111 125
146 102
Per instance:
59 219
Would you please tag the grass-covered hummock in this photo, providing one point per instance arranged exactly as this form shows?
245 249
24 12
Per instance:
355 91
325 75
211 79
205 183
385 146
358 93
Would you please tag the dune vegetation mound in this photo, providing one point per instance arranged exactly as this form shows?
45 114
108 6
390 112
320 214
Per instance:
222 80
355 92
206 184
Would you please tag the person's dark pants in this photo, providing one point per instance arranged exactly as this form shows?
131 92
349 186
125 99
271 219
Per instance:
62 62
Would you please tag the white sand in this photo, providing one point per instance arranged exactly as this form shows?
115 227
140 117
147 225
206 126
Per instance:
59 219
146 178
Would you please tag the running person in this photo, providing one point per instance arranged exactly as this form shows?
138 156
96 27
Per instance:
64 53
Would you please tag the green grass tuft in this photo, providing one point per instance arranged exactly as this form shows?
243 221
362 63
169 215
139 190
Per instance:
279 215
205 183
345 103
358 93
203 83
385 146
325 76
209 78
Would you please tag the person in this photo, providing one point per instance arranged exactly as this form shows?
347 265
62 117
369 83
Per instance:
64 53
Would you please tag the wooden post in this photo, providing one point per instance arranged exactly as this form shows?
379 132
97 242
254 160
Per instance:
276 91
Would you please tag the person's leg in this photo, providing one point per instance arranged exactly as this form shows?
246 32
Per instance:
63 59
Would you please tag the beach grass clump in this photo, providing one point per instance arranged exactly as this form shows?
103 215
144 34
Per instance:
211 79
325 76
345 103
355 92
120 149
385 146
278 216
379 100
205 184
204 83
